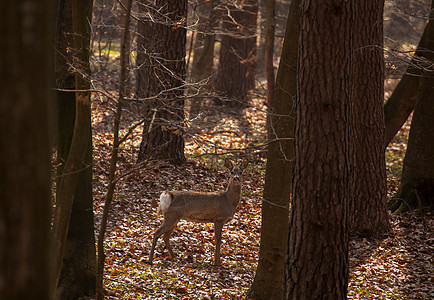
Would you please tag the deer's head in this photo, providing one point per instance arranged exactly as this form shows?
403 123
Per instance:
236 172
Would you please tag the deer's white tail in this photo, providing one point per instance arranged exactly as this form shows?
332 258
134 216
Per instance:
165 201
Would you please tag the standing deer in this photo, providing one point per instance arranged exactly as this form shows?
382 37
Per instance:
200 207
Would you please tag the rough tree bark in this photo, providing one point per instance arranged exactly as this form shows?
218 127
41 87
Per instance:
80 138
161 73
368 210
417 182
268 281
317 264
25 201
77 278
236 69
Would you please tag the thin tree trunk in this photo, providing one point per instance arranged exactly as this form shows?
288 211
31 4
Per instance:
417 182
114 156
124 6
269 277
368 211
269 50
80 139
203 60
317 264
403 99
262 35
25 201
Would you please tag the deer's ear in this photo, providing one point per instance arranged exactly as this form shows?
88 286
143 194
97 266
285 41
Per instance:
228 163
244 164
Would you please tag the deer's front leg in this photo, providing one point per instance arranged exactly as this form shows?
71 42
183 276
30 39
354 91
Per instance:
218 226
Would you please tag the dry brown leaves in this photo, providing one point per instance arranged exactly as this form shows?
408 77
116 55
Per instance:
399 266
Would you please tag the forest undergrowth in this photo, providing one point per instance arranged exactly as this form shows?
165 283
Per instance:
397 266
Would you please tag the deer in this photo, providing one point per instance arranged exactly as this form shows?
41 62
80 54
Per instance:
200 207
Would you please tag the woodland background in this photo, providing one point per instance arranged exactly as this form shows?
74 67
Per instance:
203 115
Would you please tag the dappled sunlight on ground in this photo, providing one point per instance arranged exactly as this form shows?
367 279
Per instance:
397 266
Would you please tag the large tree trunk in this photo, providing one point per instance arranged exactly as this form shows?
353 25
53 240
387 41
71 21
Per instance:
161 61
317 264
77 277
80 139
236 70
417 182
368 211
268 281
403 99
25 213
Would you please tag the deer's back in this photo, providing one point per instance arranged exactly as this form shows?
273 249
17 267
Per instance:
202 207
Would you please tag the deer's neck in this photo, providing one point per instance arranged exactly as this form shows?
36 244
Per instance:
234 192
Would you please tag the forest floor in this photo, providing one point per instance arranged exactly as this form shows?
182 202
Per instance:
399 265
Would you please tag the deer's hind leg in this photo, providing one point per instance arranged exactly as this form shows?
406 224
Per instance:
166 237
166 228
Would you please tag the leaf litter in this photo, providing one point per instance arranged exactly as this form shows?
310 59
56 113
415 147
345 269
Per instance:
397 266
